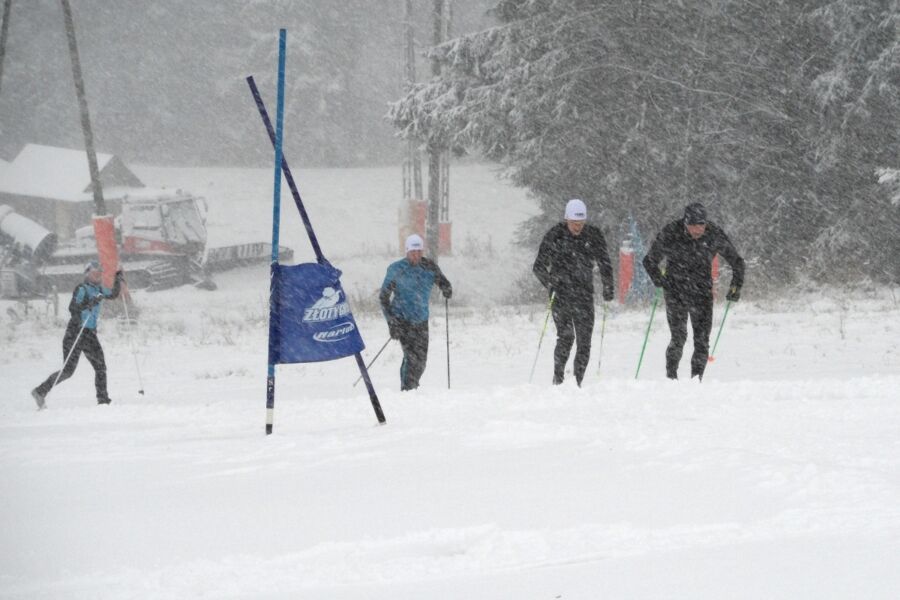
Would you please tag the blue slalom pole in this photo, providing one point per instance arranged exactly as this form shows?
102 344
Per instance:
276 224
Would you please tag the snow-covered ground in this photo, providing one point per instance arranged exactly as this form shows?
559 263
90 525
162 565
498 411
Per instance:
778 477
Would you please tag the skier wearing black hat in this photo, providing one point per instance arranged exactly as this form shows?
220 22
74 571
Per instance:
688 247
81 333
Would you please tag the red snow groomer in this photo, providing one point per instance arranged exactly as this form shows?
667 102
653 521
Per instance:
160 237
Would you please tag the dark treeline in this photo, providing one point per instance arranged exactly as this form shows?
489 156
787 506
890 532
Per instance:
165 79
780 116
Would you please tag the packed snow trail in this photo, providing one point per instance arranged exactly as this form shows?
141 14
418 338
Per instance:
776 477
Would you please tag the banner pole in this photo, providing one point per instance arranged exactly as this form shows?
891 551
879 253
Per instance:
298 201
372 362
273 136
276 224
373 397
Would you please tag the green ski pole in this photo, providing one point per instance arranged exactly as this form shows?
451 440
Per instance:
602 332
543 331
647 335
712 356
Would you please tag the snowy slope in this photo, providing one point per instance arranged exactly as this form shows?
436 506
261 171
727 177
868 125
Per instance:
775 478
355 215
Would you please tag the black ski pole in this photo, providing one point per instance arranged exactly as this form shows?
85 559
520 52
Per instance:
602 333
368 366
137 366
447 321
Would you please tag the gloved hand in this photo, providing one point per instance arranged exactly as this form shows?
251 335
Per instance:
394 328
553 285
95 301
120 275
608 293
447 293
734 294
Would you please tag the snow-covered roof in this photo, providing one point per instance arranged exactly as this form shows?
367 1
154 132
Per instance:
50 172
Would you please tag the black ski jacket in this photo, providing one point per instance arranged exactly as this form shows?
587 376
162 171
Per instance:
565 263
688 268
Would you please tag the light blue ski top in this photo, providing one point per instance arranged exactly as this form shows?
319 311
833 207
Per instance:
83 295
411 287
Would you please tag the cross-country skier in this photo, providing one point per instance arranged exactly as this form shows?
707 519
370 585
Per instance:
688 246
565 266
404 301
81 333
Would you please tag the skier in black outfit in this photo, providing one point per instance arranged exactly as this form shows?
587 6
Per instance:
565 266
81 333
688 246
404 301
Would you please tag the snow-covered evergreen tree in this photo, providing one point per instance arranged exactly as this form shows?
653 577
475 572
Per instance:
640 108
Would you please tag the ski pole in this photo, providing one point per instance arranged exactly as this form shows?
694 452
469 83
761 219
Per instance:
602 332
647 335
137 366
712 356
543 331
373 360
447 321
66 361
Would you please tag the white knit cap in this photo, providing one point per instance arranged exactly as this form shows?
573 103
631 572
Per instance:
93 265
414 242
576 210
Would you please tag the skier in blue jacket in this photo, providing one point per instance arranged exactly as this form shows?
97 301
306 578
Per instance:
404 301
81 333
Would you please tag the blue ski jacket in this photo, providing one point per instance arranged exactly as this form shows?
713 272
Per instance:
407 287
84 307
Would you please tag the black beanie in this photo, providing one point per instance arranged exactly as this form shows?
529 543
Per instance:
695 214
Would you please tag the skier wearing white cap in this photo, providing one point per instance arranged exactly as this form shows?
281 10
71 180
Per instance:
565 266
404 301
81 333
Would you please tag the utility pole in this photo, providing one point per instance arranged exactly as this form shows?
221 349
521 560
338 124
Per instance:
413 152
99 204
104 228
413 195
435 154
4 31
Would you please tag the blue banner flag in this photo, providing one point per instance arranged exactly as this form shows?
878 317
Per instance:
311 317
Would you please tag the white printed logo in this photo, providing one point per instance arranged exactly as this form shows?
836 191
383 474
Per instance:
327 308
336 333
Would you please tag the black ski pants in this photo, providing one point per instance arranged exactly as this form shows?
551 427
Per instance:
574 321
414 340
700 310
88 344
